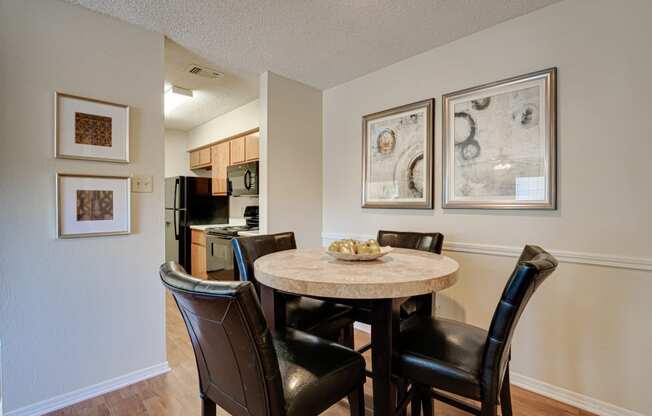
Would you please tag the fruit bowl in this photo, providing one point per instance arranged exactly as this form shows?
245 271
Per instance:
359 257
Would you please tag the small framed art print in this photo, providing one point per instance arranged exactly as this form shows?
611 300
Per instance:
93 205
90 129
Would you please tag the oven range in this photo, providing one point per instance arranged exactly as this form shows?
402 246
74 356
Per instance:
219 252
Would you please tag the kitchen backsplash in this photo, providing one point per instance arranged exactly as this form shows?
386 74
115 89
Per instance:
238 204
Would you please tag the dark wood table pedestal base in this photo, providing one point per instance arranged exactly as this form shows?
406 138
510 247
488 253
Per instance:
384 317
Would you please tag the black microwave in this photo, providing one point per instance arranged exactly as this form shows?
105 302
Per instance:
243 179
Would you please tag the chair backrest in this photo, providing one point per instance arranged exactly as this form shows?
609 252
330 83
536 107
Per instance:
248 249
533 267
431 242
237 364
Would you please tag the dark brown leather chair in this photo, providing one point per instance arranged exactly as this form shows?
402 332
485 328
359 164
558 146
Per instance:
431 242
462 359
247 370
325 319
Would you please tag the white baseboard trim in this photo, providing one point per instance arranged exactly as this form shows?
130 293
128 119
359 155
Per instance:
550 391
362 327
594 259
67 399
571 398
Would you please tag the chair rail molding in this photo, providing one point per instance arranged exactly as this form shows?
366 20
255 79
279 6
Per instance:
593 259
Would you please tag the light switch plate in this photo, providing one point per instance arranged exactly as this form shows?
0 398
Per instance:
142 183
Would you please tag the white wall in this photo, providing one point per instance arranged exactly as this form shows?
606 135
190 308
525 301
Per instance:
75 312
291 158
588 329
177 158
234 122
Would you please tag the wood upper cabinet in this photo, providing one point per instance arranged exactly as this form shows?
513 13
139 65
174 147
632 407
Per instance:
252 151
205 156
220 161
231 151
200 158
194 159
238 150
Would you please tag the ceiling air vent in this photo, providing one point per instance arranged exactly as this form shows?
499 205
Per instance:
202 71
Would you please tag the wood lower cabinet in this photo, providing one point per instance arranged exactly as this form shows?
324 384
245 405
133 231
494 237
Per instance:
198 254
238 150
252 147
220 156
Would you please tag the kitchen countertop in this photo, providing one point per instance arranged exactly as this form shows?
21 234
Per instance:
232 222
205 226
249 233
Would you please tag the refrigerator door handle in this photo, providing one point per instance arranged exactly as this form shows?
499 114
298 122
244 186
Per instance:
176 229
176 185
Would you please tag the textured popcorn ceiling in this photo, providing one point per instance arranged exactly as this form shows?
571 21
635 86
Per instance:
319 42
211 97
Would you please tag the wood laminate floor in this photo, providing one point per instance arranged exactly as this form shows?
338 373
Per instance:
177 394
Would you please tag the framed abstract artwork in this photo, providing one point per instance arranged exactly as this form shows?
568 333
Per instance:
91 205
397 157
90 129
499 144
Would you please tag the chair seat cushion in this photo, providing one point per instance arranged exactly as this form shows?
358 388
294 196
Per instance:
442 353
316 373
321 318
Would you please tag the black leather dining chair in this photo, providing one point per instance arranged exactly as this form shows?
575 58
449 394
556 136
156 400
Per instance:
454 357
431 242
246 369
325 319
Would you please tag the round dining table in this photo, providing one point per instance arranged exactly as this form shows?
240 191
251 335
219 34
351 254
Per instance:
375 289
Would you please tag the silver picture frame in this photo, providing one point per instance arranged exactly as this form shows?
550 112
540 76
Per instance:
426 201
59 153
59 209
547 78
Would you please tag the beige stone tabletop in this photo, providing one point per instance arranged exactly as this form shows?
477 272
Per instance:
313 272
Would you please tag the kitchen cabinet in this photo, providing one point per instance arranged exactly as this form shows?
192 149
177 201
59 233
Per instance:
241 148
238 150
200 158
220 157
252 151
198 254
194 159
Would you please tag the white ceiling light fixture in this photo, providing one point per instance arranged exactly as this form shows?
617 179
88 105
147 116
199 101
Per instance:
175 96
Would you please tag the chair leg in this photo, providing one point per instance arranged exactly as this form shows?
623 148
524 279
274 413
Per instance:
506 396
347 336
415 405
401 392
208 407
488 409
427 402
356 401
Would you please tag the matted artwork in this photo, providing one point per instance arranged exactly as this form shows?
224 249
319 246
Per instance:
91 129
94 205
90 205
397 157
499 144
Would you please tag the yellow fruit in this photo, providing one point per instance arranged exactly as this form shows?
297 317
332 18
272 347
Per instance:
364 248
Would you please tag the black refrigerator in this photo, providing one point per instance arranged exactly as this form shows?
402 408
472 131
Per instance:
189 201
